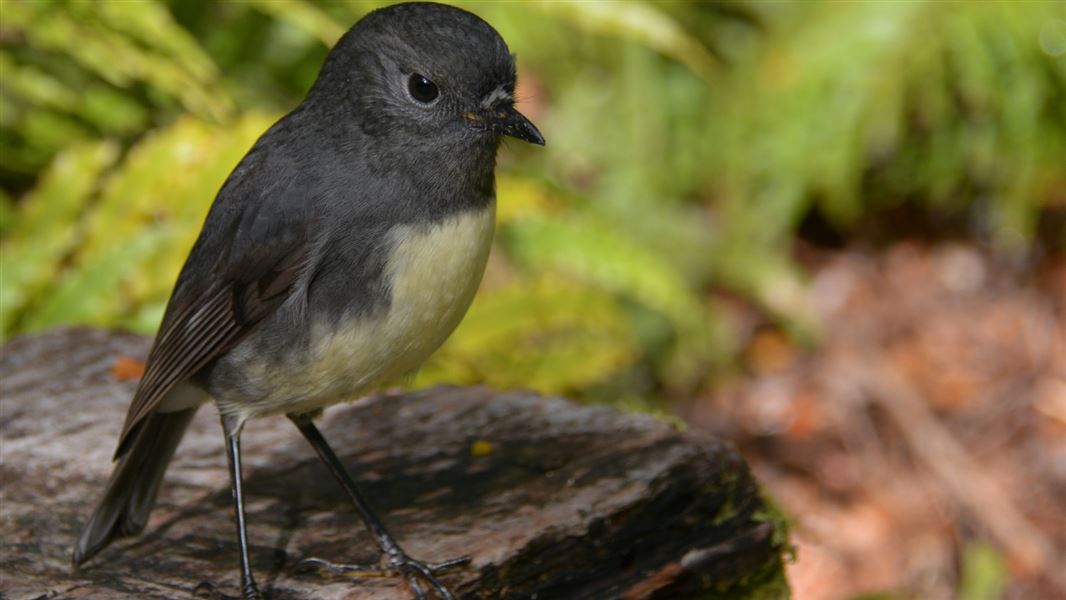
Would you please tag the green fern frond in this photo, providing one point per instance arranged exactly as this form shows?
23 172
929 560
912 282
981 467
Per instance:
641 22
83 32
585 248
304 16
45 228
546 333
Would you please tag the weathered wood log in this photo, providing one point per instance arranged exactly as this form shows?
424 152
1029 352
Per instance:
552 499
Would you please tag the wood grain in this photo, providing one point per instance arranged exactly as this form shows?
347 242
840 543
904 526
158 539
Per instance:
552 499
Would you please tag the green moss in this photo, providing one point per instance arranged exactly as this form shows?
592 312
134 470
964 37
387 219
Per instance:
726 512
767 582
764 582
772 513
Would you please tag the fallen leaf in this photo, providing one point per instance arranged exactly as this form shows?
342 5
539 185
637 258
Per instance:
127 368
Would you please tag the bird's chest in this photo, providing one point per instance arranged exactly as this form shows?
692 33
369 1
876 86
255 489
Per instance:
431 275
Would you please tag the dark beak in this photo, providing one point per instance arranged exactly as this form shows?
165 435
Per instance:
509 121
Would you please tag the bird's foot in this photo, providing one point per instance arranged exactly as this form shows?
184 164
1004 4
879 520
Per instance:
415 572
250 592
207 591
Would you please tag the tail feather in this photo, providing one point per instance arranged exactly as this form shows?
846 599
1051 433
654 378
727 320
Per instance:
132 490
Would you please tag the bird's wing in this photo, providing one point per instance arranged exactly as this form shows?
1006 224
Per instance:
241 269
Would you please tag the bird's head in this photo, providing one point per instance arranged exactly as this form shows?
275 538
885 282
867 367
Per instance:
427 74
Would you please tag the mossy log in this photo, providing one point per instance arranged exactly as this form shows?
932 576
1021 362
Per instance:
553 500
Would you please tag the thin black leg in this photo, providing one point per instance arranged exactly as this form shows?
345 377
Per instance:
249 591
398 562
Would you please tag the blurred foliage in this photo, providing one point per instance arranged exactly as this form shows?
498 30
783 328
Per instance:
984 573
687 144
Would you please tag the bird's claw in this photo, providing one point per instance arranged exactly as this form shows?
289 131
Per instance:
412 571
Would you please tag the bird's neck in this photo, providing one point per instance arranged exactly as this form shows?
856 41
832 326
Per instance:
446 175
460 174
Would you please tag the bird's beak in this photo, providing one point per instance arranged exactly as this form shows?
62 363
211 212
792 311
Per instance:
508 121
513 123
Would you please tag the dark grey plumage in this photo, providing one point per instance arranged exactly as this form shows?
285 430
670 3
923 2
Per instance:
134 483
306 236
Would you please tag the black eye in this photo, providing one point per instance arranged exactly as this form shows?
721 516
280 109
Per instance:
422 89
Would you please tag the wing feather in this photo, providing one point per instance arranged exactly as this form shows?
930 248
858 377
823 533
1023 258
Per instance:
230 283
187 346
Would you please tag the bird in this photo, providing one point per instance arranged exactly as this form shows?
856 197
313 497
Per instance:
341 252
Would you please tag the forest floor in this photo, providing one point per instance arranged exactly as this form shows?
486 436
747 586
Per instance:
920 448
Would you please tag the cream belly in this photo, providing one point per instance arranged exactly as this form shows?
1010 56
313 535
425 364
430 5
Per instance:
433 272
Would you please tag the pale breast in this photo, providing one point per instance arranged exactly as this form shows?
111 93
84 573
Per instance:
432 272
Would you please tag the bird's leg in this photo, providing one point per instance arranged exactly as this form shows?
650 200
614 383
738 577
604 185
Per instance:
397 562
249 591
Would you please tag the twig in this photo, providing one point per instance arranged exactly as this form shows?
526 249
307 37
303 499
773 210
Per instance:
1028 549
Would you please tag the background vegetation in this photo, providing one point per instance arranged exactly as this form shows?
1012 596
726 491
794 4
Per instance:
689 144
692 148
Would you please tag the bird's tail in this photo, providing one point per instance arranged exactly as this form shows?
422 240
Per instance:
134 483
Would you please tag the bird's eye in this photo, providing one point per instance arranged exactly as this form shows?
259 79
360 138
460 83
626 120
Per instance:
422 89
